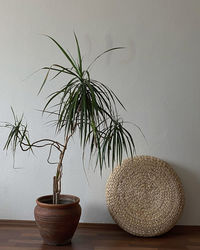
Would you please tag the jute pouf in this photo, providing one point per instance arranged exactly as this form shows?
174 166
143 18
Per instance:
145 196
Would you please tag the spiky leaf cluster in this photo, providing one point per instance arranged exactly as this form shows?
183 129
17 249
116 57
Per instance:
18 134
89 106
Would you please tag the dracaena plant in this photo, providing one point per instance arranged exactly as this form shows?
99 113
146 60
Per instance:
82 105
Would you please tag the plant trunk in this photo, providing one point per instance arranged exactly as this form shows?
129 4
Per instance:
56 190
57 178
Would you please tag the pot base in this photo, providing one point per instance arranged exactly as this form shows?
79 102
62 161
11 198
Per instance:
68 242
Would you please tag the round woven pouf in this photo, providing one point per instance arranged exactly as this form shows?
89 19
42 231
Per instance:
145 196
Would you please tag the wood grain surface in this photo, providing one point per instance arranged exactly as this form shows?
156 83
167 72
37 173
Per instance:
24 235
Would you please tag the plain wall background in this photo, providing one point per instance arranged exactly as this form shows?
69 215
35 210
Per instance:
156 77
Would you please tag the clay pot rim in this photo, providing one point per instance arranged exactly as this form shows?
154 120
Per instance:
75 200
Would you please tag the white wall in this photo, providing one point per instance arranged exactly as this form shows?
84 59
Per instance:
156 77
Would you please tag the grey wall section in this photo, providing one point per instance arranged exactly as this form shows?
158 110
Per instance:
156 76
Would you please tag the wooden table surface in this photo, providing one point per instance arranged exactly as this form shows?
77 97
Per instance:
23 235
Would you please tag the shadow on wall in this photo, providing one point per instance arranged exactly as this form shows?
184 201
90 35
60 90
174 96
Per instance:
191 184
94 211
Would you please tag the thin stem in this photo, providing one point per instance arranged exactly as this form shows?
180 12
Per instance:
49 156
56 144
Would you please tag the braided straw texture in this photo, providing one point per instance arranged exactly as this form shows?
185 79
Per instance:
145 196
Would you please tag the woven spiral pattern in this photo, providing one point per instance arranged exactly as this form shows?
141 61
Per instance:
145 196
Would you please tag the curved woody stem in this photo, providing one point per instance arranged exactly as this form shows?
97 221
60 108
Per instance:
58 176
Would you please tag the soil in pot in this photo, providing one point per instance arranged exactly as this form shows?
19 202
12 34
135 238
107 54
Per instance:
49 200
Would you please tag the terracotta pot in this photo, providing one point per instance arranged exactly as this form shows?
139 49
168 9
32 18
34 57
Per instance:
57 222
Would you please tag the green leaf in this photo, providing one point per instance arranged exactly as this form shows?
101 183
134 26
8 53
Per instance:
108 50
79 55
70 59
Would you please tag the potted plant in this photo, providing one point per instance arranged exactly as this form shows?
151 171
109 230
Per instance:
82 105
